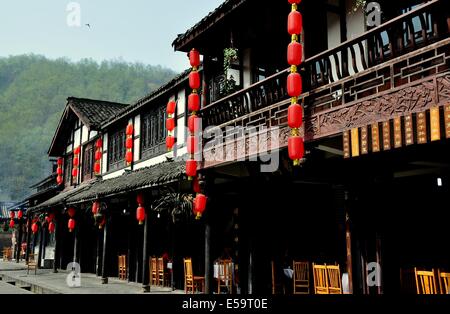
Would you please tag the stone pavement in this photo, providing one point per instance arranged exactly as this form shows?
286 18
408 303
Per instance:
47 282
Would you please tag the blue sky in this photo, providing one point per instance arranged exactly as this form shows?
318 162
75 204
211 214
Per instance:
133 30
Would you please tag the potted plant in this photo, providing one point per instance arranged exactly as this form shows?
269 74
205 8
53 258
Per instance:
178 206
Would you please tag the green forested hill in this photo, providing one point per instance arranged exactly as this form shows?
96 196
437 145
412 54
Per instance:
33 92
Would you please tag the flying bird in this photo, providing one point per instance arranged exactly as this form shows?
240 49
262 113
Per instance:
88 25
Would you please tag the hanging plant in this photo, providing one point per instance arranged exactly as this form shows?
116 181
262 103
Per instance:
178 206
359 5
230 55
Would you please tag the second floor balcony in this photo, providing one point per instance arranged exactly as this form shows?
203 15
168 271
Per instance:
398 67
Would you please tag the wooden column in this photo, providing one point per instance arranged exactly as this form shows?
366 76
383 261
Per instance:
62 234
27 249
145 265
57 244
208 262
99 253
75 243
105 242
41 242
348 240
19 241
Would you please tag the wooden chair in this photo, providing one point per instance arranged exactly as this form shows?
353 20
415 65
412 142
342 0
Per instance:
163 276
444 282
7 254
301 277
32 264
277 285
154 271
225 276
334 279
425 281
123 267
320 279
191 282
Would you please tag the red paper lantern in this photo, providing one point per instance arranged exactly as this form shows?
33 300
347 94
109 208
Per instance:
71 212
12 214
194 58
97 167
11 223
192 144
170 124
294 1
51 216
59 180
129 157
295 23
77 150
20 214
294 85
296 148
99 143
171 106
200 205
59 171
60 161
95 208
295 53
34 228
140 199
76 162
140 215
194 102
98 155
196 186
194 80
129 143
71 224
130 130
191 168
48 219
295 116
194 124
75 172
51 227
170 142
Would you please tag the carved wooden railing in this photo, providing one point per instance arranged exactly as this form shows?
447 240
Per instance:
399 36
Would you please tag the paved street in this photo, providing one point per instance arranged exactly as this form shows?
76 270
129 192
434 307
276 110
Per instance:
46 282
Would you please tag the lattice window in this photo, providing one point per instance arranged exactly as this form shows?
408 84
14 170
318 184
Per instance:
68 170
153 133
88 161
116 150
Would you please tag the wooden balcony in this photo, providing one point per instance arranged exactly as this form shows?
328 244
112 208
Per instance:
401 66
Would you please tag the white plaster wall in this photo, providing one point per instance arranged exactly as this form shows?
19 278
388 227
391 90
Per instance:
93 134
77 138
114 174
85 134
105 153
181 102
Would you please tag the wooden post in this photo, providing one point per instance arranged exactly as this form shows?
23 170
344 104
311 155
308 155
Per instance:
145 266
27 249
19 241
75 244
208 267
99 253
62 240
41 242
105 238
57 245
348 239
379 257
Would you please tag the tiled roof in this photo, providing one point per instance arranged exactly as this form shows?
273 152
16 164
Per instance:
144 100
209 20
157 175
94 112
153 176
